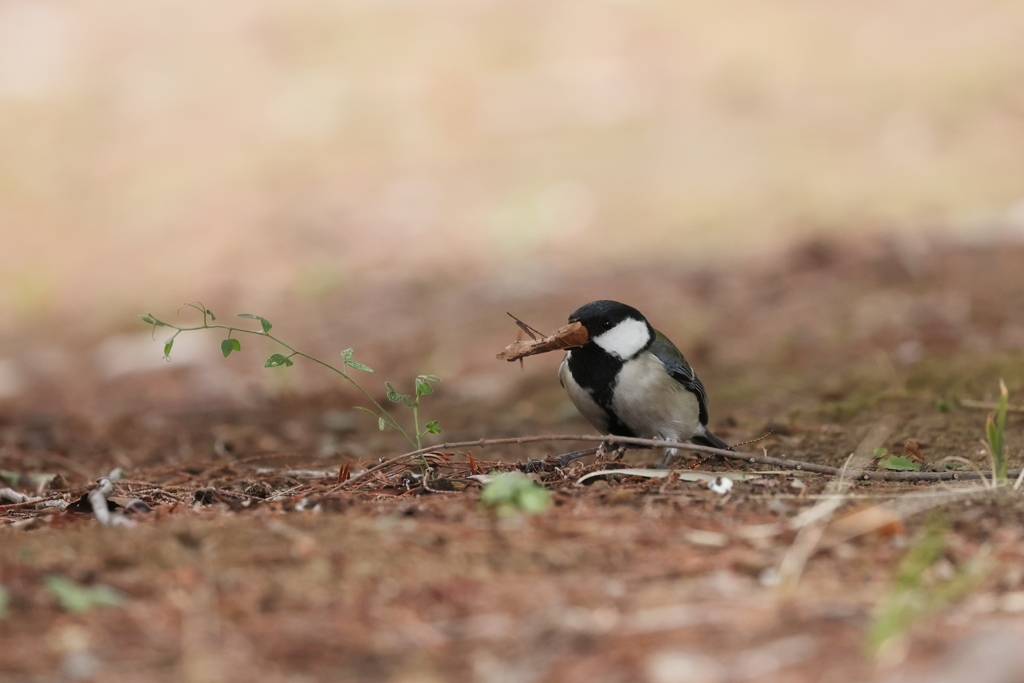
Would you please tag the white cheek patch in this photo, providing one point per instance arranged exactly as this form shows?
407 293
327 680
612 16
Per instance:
625 339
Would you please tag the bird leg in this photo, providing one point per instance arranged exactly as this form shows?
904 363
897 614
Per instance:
670 455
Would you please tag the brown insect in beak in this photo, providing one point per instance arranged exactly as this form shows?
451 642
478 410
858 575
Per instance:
572 336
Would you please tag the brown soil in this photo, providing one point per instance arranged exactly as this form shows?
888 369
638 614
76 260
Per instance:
248 568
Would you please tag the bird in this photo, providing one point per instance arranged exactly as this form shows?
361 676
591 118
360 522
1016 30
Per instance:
629 379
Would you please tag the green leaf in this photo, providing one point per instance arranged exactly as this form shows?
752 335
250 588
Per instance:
346 357
502 488
75 598
433 427
264 323
4 599
995 430
423 388
916 592
429 378
150 319
167 346
210 313
407 400
534 500
380 420
229 345
393 395
513 491
899 463
277 360
881 452
992 433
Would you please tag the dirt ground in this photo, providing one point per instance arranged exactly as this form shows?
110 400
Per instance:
249 565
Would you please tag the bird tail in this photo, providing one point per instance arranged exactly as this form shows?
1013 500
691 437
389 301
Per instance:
709 439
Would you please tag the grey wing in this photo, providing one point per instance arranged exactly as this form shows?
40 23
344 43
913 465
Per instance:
681 371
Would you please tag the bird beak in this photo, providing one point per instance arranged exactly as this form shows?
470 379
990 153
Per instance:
572 336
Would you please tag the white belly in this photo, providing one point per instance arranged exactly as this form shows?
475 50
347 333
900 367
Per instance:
647 401
652 404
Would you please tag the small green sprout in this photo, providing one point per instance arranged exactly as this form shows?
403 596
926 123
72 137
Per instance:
276 360
76 598
510 492
917 590
888 460
899 463
995 427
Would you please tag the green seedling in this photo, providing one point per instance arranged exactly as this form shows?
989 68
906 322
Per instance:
888 460
513 492
995 426
918 589
899 463
73 597
231 344
413 402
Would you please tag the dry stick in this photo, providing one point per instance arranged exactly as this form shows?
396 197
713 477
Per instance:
989 405
30 503
657 443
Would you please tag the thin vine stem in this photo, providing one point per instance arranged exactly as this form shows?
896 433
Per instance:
382 412
416 422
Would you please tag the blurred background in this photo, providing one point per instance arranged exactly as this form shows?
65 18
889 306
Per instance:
321 159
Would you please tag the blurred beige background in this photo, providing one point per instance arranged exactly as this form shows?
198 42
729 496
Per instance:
164 151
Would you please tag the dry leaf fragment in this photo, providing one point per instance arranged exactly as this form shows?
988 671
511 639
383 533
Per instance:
571 336
912 448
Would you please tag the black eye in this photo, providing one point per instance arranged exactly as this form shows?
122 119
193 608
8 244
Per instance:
606 324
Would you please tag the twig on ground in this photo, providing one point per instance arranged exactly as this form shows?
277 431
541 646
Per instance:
785 463
12 496
989 405
31 502
149 489
98 501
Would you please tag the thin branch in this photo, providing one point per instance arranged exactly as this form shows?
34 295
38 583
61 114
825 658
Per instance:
528 329
784 463
31 503
384 414
988 405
